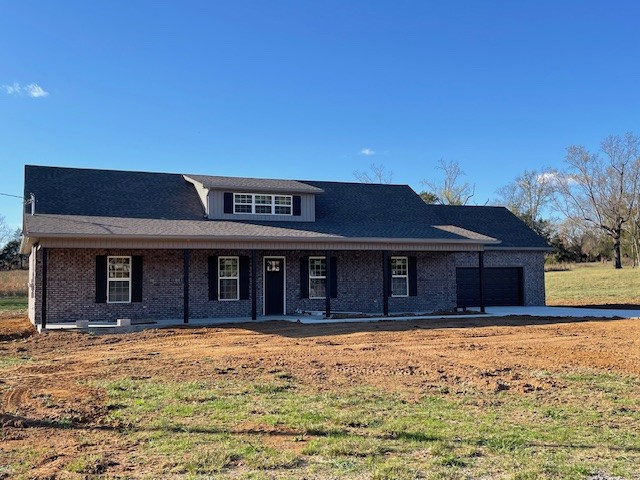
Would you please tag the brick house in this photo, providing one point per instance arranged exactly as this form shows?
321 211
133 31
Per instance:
109 244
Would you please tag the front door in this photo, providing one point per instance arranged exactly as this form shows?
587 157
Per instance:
274 286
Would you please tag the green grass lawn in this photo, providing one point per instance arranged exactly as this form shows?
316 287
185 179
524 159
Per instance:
196 429
593 284
14 304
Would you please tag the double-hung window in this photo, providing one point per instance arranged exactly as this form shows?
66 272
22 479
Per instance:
118 279
399 277
317 277
243 203
261 204
228 278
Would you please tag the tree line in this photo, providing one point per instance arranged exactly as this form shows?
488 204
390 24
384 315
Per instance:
587 210
10 256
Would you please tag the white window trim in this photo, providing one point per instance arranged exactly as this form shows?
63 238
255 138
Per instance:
272 204
236 278
119 279
400 276
321 257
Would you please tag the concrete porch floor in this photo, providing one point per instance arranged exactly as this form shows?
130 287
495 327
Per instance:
540 311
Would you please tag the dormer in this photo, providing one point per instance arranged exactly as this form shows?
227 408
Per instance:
230 198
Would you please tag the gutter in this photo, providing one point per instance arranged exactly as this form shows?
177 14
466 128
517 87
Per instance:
249 238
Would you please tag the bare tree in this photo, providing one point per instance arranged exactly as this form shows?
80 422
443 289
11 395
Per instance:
450 190
528 194
5 234
601 189
376 174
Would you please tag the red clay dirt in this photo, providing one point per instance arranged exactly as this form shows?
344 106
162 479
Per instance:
417 356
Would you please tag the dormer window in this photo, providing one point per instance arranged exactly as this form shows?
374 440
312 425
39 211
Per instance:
260 204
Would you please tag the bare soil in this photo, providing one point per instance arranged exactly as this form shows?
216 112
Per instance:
53 381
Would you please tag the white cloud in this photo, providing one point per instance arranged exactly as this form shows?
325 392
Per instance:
32 90
367 152
556 178
548 177
36 91
12 89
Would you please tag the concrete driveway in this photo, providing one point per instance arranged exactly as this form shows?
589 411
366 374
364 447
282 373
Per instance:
563 312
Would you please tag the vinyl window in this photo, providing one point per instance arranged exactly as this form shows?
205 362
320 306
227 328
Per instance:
399 276
261 204
317 277
228 278
118 279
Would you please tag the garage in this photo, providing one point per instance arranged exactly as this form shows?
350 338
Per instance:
502 287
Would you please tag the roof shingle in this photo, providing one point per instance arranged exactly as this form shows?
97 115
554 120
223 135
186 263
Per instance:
71 201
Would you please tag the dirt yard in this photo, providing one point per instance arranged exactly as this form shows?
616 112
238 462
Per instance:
46 378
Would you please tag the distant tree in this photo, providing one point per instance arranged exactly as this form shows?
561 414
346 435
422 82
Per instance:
5 233
527 195
450 190
376 174
429 197
10 256
601 189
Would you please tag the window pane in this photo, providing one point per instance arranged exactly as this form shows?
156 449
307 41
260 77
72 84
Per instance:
243 209
119 291
399 286
283 210
317 287
280 200
228 289
119 267
263 208
398 266
242 198
317 267
263 199
228 267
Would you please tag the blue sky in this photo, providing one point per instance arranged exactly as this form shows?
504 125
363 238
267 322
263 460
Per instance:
299 89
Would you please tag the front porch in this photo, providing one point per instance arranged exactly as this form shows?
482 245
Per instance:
103 328
185 286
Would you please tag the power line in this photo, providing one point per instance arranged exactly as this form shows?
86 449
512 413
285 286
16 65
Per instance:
15 196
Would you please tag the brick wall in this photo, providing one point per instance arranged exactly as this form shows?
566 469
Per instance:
71 283
532 264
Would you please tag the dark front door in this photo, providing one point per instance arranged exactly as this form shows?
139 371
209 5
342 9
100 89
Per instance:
274 286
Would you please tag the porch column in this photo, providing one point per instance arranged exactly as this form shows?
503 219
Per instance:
43 314
254 288
185 284
385 283
328 286
481 279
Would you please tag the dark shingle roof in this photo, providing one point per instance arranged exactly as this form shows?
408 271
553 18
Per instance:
77 191
497 222
254 184
72 201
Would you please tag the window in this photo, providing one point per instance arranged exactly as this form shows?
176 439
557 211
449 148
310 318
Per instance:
399 277
118 279
243 203
317 277
261 204
282 204
228 278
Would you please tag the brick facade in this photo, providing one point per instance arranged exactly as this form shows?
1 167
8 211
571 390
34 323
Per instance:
71 283
531 262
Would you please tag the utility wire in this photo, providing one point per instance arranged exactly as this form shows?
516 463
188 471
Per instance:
15 196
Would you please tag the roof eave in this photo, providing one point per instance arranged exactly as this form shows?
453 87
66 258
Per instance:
240 188
257 239
533 249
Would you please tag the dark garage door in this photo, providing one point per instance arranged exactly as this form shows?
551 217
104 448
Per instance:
502 287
